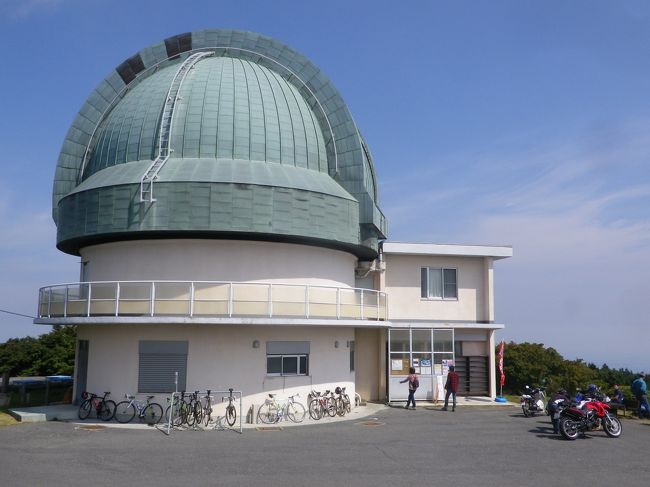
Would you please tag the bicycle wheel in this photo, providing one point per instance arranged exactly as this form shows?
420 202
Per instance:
231 415
346 403
207 415
107 410
296 412
152 414
315 409
84 409
340 408
330 407
268 414
124 412
197 411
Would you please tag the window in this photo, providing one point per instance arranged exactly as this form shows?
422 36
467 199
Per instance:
287 364
159 363
287 358
438 283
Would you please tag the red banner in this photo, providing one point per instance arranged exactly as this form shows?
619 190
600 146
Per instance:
503 376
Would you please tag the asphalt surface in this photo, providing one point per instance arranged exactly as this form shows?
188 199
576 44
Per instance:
472 446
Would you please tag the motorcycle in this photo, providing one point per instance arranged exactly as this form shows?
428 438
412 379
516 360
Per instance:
533 401
589 415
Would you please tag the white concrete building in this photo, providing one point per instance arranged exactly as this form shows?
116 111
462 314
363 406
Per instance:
224 207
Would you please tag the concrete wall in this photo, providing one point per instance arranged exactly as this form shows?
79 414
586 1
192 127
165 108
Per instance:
219 357
218 260
404 293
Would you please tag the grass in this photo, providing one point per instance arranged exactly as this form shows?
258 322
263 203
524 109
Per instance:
6 419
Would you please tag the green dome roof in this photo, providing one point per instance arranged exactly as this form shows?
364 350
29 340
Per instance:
229 108
240 136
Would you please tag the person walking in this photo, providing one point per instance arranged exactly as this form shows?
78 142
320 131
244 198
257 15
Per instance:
451 386
640 391
414 383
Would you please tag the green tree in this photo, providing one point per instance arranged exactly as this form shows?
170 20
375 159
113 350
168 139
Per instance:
49 354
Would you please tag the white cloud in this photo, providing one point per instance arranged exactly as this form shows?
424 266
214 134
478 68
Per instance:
26 8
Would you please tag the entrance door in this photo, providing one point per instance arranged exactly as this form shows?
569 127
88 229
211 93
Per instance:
82 369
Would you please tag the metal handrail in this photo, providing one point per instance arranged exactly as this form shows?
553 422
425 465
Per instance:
117 302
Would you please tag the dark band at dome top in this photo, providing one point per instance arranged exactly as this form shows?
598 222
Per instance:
262 147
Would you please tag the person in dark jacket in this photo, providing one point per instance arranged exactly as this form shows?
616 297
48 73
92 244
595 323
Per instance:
558 398
640 391
451 386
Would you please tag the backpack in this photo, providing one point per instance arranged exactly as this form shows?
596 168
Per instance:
636 387
416 383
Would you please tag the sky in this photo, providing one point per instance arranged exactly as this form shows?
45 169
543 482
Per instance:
516 123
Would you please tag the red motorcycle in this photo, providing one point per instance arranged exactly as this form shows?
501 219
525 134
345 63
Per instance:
589 415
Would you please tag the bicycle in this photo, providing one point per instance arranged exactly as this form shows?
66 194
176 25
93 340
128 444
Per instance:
231 411
343 405
125 411
207 407
321 405
104 408
273 411
178 410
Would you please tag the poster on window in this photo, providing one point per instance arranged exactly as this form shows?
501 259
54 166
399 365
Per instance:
445 365
440 389
396 365
425 366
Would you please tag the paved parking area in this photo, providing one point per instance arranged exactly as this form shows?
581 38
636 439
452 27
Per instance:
473 446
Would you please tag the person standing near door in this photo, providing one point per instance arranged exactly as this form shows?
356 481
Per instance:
451 387
414 383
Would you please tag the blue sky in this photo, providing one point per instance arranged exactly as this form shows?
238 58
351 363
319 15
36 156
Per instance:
503 122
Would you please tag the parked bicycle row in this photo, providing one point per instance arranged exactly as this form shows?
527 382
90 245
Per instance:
187 409
193 409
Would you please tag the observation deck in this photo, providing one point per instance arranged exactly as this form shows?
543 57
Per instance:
209 302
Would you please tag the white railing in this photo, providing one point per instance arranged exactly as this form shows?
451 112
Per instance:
209 299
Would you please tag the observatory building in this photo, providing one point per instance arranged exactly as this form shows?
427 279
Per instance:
224 206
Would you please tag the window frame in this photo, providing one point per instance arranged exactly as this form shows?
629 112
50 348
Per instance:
425 282
282 357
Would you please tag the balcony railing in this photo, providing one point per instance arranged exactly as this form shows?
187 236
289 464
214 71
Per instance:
209 299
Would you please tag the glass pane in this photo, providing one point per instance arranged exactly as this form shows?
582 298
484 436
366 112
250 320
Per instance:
450 283
399 363
274 365
303 364
435 283
443 340
422 363
439 357
289 365
424 281
421 340
399 341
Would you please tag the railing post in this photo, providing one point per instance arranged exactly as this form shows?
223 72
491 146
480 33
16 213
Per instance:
362 313
90 295
338 303
65 303
117 299
307 300
152 306
191 299
230 292
270 298
49 303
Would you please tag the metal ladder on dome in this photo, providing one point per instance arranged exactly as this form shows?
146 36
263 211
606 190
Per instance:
165 130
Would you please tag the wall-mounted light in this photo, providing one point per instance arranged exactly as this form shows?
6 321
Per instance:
256 344
336 344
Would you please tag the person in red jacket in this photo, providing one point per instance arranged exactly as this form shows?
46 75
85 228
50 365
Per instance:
451 387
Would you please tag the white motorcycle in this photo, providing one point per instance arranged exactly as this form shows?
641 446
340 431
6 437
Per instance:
533 401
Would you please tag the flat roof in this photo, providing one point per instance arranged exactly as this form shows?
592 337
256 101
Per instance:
404 248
